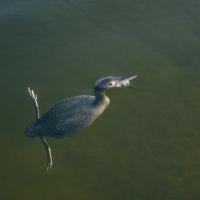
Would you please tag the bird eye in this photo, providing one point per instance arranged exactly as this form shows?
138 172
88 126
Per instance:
111 83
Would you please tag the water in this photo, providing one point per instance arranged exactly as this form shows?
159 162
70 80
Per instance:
146 145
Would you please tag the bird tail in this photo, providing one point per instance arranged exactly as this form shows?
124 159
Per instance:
29 131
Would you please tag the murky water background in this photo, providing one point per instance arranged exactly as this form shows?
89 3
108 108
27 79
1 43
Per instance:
147 144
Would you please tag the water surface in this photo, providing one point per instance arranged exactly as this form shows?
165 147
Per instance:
146 145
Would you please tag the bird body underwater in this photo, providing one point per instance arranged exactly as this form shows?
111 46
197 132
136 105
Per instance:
70 115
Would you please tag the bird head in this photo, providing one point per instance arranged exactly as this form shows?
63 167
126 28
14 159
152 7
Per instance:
112 82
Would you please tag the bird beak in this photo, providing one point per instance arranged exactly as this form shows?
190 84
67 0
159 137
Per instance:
129 78
125 81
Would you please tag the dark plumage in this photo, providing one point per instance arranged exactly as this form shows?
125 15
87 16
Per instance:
68 116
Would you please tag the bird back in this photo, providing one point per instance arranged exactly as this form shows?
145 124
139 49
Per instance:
66 117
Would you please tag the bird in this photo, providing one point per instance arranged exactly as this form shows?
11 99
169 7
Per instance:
70 115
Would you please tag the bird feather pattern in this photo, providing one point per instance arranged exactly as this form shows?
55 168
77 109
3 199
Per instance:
67 116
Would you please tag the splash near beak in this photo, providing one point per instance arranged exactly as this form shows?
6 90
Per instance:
125 81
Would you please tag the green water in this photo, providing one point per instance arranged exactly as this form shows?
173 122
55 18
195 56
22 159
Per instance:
146 146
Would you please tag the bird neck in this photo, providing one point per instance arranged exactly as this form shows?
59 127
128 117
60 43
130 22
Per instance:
99 94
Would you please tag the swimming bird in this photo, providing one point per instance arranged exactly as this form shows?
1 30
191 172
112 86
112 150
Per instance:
69 115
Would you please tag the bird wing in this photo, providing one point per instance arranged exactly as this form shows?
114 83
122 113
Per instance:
66 117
